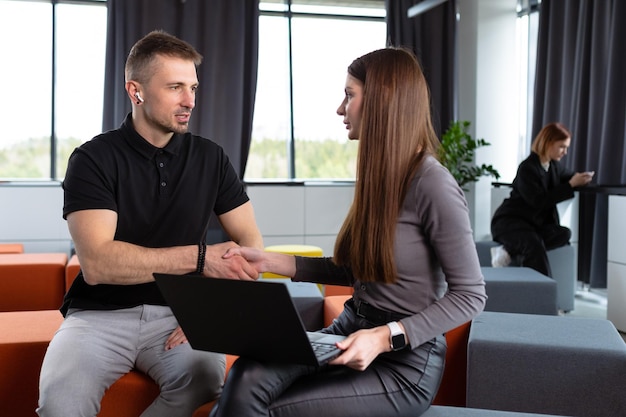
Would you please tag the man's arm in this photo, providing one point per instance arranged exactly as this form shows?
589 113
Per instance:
104 260
240 225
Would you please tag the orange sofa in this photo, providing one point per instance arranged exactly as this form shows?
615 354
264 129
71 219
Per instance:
24 337
32 281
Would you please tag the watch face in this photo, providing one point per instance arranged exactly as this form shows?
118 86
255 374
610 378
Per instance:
398 341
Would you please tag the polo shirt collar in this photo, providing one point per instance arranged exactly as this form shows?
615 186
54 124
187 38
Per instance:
145 148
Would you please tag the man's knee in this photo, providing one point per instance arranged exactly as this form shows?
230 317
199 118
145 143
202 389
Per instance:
73 378
194 374
61 395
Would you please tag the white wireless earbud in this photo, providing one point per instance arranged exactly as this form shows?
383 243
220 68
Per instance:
138 97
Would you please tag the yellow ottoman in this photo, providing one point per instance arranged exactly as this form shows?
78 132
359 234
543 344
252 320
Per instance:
301 250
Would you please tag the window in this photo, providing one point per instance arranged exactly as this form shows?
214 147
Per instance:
55 84
53 88
304 51
527 30
80 60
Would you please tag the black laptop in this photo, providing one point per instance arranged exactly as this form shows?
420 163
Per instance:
256 319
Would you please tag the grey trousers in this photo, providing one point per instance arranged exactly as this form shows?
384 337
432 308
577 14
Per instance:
401 383
92 349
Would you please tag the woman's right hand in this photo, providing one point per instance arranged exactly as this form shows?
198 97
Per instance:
278 263
362 347
255 257
217 265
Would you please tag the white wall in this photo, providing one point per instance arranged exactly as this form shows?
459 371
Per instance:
286 214
32 214
310 214
488 79
616 263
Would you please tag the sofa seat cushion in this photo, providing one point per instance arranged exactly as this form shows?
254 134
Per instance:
32 281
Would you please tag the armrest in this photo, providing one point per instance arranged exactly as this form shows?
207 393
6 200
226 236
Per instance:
333 306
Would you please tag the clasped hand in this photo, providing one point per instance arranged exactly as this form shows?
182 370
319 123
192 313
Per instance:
220 266
581 178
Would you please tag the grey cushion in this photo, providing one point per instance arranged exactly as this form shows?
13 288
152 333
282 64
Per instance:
563 265
519 290
546 364
441 411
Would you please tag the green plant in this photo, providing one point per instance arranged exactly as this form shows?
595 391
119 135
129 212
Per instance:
457 154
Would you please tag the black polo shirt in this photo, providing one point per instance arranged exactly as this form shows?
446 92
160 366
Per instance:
163 197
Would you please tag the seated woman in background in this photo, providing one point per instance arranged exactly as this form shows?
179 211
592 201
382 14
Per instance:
527 223
407 249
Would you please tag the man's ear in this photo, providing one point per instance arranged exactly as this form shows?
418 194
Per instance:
133 91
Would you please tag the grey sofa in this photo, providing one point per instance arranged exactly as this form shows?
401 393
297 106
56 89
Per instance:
529 363
519 290
563 264
441 411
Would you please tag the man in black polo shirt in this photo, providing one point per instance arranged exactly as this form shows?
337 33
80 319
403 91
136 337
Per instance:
138 200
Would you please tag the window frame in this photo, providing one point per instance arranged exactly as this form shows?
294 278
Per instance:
54 175
285 9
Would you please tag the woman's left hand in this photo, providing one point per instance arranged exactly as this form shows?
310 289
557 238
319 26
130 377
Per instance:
362 347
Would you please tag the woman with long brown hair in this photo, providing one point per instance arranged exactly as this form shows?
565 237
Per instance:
406 247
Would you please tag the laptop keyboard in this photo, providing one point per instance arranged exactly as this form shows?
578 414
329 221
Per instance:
321 349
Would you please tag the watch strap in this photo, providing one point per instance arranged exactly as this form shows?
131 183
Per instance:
395 330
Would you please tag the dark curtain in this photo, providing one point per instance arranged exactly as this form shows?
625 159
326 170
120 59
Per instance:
225 32
431 36
581 63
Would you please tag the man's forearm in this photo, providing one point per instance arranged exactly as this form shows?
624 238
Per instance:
122 263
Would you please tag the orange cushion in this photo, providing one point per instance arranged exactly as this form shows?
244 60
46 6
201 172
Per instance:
337 290
129 396
32 281
452 389
333 306
71 271
11 248
24 338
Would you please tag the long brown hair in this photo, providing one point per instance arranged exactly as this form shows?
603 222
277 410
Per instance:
395 133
